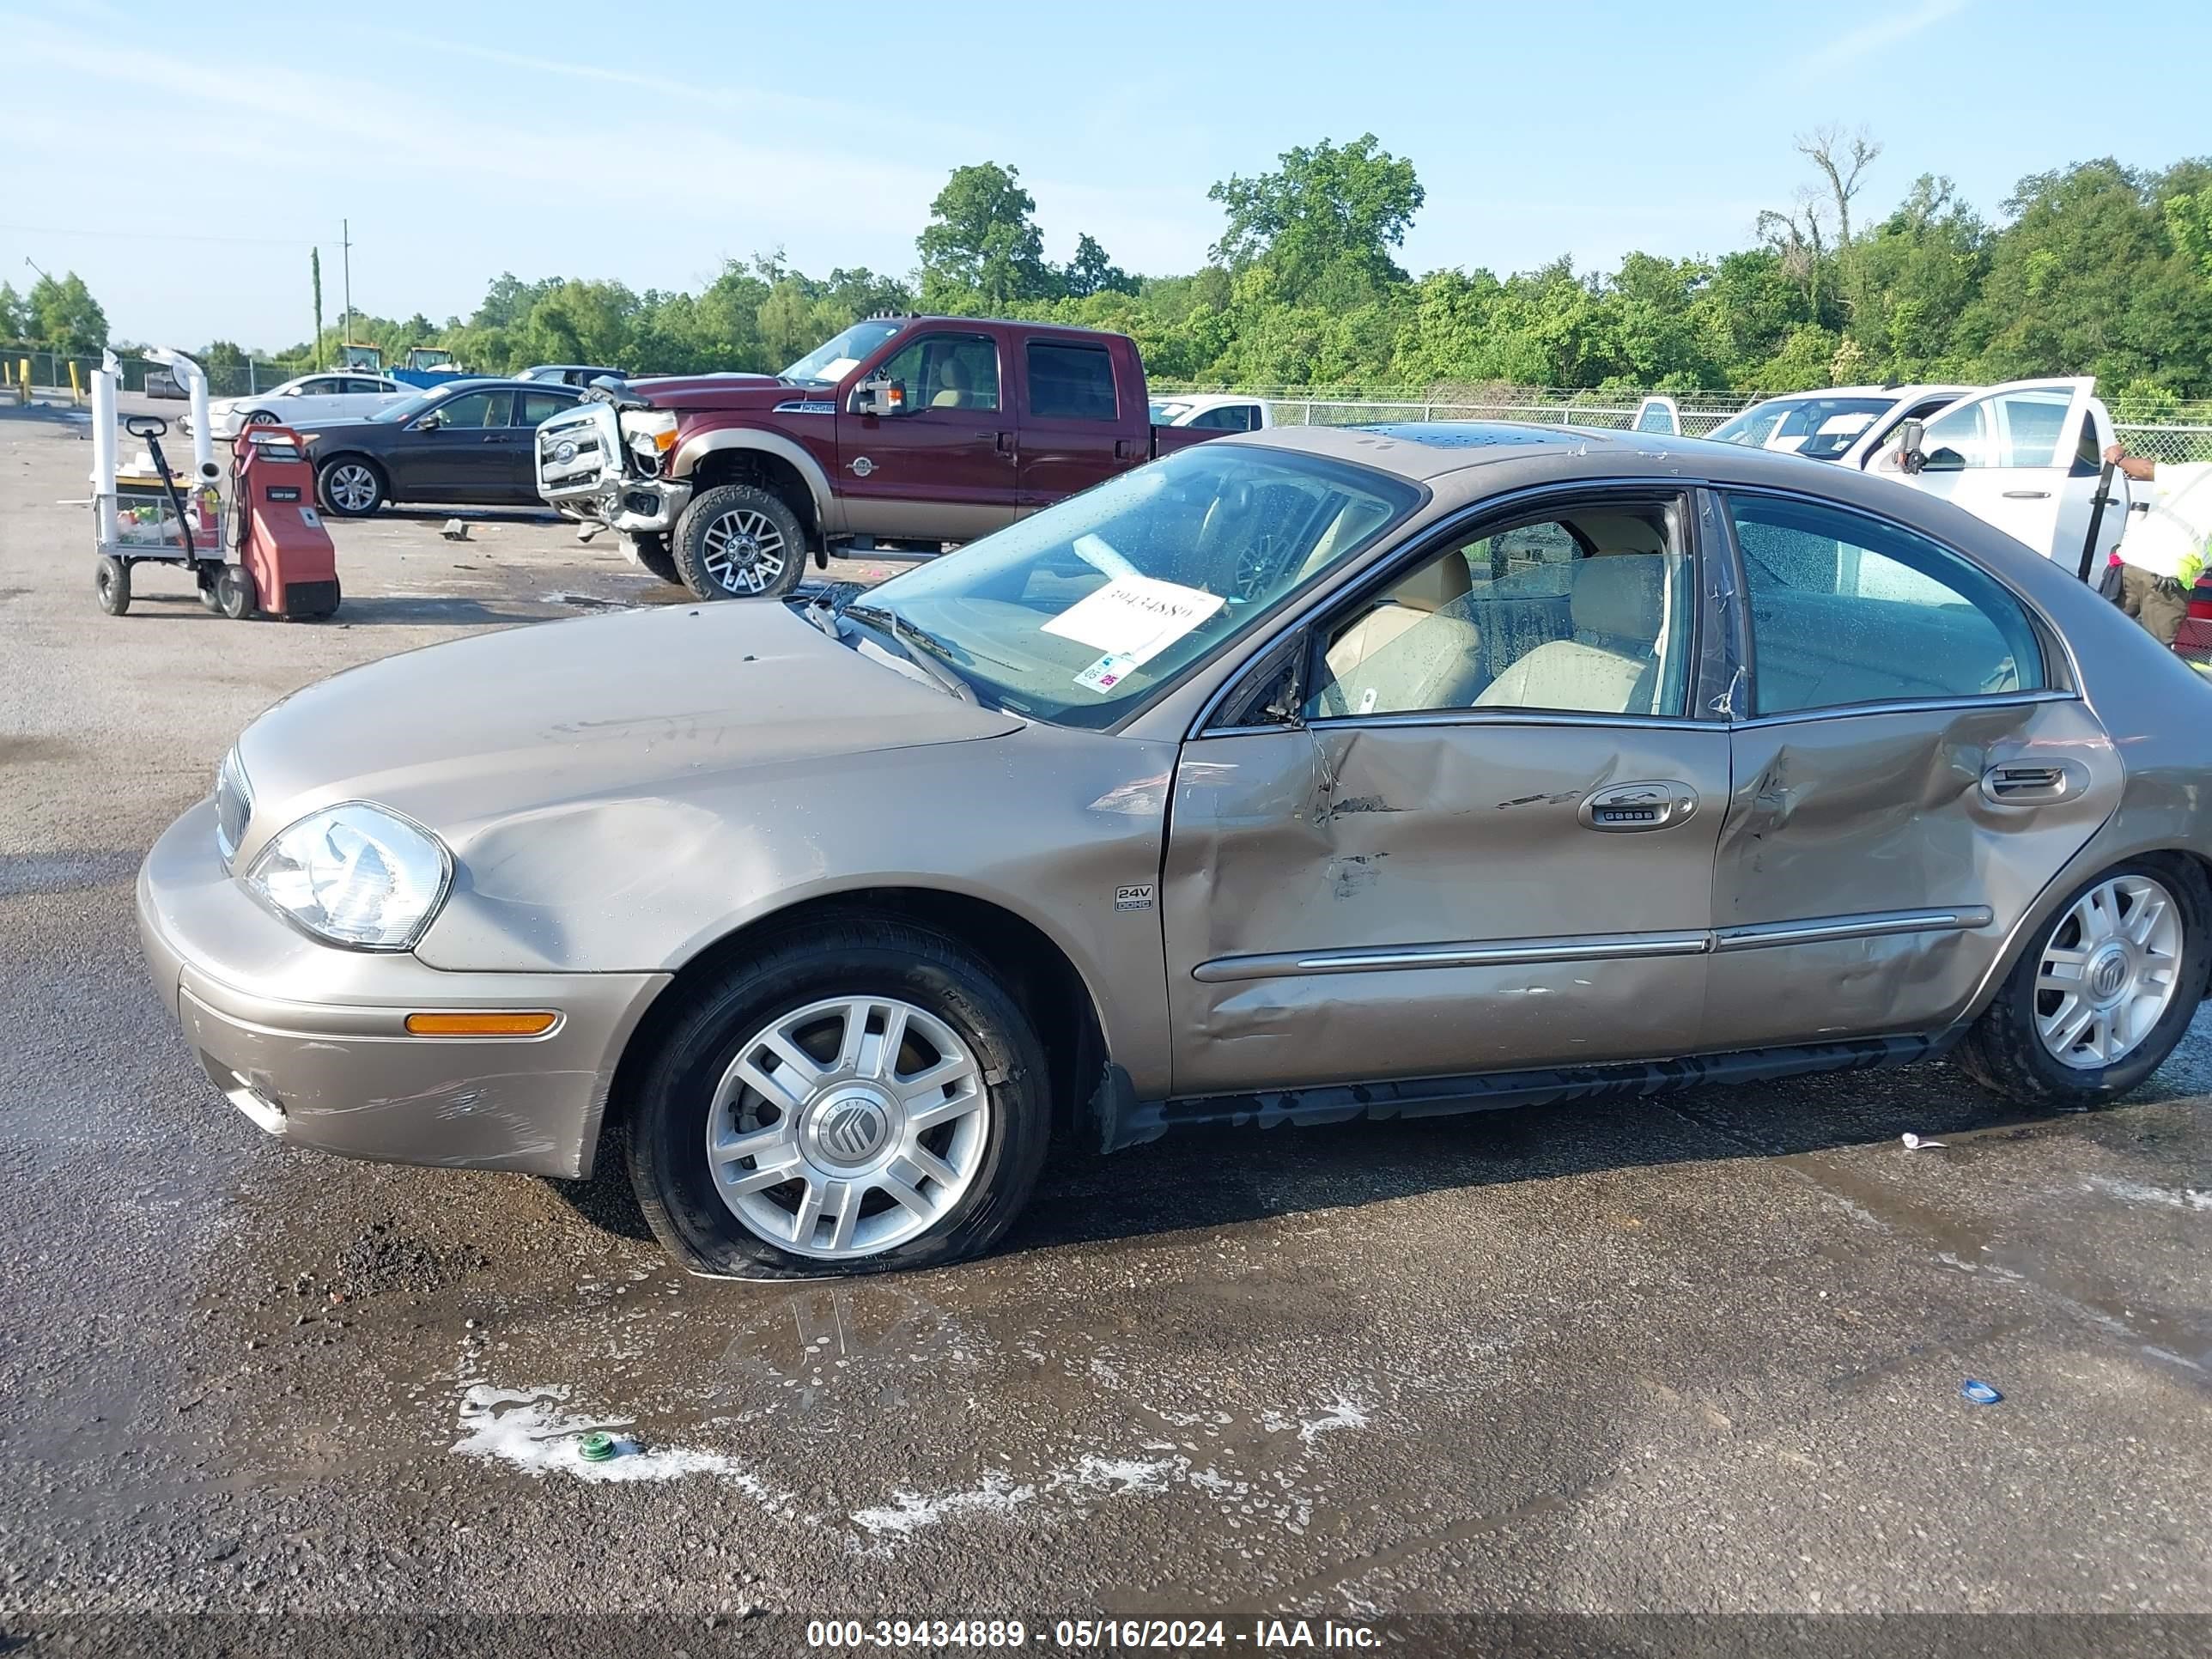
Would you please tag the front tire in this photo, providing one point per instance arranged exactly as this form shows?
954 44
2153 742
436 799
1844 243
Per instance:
351 487
861 1098
111 585
737 542
2103 993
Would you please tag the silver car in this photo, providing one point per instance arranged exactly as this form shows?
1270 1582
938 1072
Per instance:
1302 775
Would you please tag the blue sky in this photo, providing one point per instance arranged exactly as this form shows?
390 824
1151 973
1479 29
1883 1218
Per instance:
647 141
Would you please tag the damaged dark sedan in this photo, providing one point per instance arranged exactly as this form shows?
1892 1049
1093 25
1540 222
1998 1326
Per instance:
1301 776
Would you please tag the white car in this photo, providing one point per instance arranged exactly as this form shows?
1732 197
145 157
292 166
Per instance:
1846 423
2024 456
1213 412
332 396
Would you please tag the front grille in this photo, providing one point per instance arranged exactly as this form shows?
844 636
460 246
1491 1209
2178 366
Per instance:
587 437
234 806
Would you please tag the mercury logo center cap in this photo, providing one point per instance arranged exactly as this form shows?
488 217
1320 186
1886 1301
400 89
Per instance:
850 1127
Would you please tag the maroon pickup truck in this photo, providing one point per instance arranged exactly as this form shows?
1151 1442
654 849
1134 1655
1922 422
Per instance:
901 434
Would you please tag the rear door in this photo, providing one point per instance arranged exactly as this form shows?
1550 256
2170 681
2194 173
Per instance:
943 470
2022 456
1487 844
1908 775
1085 416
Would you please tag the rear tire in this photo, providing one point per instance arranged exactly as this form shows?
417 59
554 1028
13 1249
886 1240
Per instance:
738 542
111 585
2014 1049
922 1193
233 592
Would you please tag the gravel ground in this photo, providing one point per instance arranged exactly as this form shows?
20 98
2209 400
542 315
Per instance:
1698 1356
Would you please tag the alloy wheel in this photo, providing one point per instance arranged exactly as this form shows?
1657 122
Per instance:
847 1126
742 551
352 487
2109 971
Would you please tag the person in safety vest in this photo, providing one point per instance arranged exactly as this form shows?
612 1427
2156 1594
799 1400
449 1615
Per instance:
2163 550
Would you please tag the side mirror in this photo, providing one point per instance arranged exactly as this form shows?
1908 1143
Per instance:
1909 436
878 397
430 422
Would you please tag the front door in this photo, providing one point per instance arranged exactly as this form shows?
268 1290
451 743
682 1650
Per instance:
2023 457
1905 783
457 457
945 470
1487 841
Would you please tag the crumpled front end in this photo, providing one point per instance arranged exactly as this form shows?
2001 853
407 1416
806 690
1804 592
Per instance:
585 471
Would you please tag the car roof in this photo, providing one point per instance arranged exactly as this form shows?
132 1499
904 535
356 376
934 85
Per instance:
1456 459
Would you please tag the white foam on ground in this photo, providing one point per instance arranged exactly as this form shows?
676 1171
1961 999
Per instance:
527 1429
2137 1191
909 1512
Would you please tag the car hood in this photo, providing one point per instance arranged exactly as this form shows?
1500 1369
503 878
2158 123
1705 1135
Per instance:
619 707
759 392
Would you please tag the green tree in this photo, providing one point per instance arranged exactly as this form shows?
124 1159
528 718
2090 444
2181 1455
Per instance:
15 315
1092 272
315 281
1326 220
64 315
982 245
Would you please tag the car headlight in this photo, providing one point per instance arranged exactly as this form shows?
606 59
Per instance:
356 875
650 433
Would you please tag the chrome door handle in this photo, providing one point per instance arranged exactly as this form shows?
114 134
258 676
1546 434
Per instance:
2034 783
2027 494
1622 807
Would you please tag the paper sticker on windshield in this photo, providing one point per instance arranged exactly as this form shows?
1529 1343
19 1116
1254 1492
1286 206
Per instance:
1133 616
1104 674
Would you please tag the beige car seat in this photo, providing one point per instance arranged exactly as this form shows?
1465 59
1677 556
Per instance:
955 390
1412 649
1609 666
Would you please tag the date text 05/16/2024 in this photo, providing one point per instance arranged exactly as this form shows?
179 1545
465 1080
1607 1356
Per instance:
1091 1635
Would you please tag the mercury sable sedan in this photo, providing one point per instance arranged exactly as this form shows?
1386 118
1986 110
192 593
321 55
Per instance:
1303 774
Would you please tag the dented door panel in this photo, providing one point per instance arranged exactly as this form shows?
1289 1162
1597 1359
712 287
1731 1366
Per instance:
1880 824
1298 858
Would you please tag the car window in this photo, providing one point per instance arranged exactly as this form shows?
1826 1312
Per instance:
477 409
1230 417
1847 609
2013 428
1075 612
532 407
1071 382
946 371
359 386
1586 611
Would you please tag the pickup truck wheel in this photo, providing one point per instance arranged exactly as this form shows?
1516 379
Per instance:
737 542
652 554
862 1097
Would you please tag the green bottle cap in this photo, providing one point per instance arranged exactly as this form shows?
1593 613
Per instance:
596 1448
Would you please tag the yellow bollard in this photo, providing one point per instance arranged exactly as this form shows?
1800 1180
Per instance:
23 379
76 387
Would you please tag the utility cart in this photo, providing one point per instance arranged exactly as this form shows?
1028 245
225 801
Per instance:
147 512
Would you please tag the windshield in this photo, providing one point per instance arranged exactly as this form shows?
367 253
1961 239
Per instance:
407 409
1075 615
1818 429
832 361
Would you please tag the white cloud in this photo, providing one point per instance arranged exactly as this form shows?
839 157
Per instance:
1868 38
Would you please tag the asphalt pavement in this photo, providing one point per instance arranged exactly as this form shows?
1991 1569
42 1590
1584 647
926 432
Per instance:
1700 1355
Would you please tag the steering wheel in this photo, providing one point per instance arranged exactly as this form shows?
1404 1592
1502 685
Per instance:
146 426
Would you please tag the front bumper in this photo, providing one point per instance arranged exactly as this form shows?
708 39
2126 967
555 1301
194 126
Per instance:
583 471
310 1041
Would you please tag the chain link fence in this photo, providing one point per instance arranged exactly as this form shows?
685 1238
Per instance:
2180 432
49 372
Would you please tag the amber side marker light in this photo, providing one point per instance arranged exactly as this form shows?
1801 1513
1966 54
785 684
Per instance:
486 1025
